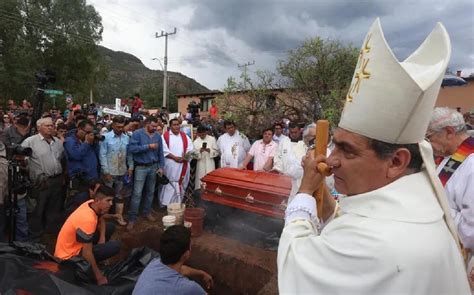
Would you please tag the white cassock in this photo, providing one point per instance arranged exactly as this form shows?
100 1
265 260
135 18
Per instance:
393 240
205 161
233 149
287 160
171 193
460 192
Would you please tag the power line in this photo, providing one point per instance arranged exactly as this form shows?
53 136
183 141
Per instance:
165 74
245 66
46 27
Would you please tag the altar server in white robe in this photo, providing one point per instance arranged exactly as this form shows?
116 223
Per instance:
392 233
176 144
233 146
288 157
205 147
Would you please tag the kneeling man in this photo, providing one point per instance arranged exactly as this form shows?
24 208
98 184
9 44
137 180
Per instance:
85 233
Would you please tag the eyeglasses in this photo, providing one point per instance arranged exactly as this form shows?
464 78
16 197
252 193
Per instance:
430 134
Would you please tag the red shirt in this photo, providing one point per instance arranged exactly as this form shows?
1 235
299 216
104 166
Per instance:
137 105
213 112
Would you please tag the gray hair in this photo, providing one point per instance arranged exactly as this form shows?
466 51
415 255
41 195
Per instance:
306 129
443 117
43 121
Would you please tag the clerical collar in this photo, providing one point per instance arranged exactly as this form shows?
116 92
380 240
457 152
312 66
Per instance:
294 140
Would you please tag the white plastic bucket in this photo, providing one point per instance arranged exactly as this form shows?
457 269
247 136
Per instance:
177 209
168 221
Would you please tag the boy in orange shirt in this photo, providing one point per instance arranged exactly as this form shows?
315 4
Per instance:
85 233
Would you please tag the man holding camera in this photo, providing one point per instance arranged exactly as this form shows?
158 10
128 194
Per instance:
81 153
12 138
45 172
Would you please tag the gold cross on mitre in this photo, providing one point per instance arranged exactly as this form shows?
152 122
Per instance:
362 71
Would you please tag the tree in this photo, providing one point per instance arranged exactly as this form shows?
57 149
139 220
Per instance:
317 76
311 84
251 104
60 35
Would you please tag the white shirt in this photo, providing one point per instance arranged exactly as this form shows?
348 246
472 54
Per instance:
393 240
233 149
287 160
278 139
45 160
460 192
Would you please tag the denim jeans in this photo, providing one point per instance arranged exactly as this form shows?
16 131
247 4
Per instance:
117 184
21 221
145 176
107 249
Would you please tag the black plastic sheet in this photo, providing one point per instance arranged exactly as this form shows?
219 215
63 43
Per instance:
27 268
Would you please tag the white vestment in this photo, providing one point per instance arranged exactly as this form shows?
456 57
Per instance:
288 161
172 193
233 149
205 160
393 240
460 192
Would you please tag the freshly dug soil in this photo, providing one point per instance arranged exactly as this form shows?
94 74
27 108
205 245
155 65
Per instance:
237 268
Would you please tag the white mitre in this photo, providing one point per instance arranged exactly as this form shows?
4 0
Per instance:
392 101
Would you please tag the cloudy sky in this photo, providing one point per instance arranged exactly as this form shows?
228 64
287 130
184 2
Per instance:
214 36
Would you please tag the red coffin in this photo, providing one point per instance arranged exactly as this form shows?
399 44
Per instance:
255 191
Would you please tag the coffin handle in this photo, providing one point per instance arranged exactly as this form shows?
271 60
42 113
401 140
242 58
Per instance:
249 198
218 191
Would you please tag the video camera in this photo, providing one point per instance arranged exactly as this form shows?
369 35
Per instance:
193 109
18 184
97 136
18 150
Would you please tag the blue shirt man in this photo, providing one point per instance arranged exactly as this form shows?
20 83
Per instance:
81 152
165 275
142 146
146 147
113 160
158 276
113 154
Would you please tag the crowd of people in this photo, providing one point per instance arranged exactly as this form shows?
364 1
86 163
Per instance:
403 178
90 172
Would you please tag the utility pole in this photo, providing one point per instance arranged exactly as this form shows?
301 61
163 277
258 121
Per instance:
245 71
165 74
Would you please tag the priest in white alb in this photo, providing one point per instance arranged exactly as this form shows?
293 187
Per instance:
206 149
176 144
233 146
392 233
288 156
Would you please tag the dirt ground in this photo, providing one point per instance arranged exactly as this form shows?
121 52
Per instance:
237 268
229 249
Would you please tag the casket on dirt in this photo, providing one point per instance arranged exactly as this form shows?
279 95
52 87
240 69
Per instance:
255 191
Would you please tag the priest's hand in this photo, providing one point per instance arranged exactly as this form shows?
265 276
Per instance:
312 178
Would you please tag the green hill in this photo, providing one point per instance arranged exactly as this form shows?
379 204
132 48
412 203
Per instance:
128 75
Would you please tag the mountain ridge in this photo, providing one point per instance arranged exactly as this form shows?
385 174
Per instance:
128 75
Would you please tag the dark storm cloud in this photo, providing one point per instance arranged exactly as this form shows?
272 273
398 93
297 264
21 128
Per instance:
280 25
277 26
211 53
